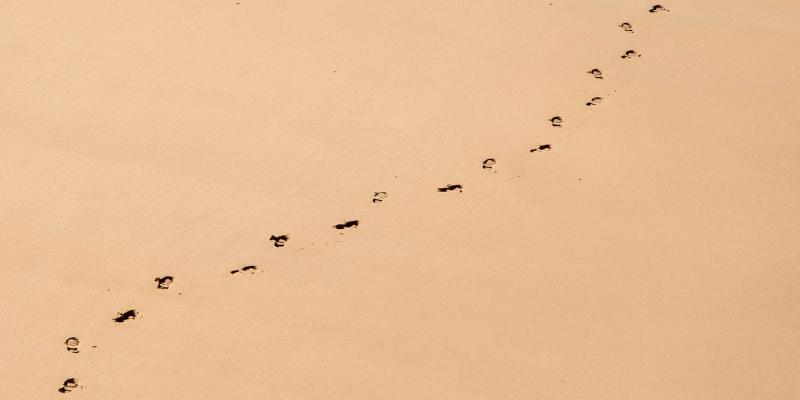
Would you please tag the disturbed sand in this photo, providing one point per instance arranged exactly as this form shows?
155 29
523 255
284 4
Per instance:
371 200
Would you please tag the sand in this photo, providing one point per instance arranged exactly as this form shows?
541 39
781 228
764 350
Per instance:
649 253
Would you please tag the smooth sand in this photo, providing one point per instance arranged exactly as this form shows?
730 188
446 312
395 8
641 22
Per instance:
652 253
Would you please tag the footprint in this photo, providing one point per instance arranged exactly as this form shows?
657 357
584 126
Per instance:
251 268
348 224
658 8
72 344
626 26
164 281
450 188
68 385
556 121
631 54
596 73
280 240
122 317
544 147
489 163
594 101
379 197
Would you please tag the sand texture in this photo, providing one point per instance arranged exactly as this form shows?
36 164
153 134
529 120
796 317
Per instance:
417 199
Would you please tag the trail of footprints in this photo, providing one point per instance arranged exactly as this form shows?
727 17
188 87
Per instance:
164 282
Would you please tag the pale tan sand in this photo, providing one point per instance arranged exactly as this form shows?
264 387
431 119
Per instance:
652 253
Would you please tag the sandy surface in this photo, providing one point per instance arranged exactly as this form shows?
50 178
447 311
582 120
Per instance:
651 253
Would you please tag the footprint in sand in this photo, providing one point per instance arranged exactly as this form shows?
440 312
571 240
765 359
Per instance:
163 282
450 188
594 101
379 197
68 385
544 147
250 268
489 163
631 54
280 240
658 8
72 344
626 26
596 73
556 121
122 317
348 224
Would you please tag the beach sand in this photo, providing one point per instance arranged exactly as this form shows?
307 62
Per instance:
650 252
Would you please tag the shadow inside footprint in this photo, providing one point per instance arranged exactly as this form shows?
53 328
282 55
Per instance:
626 26
280 240
122 317
68 385
489 163
594 101
596 73
72 345
164 281
450 188
544 147
251 268
348 224
556 121
658 8
379 197
631 54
